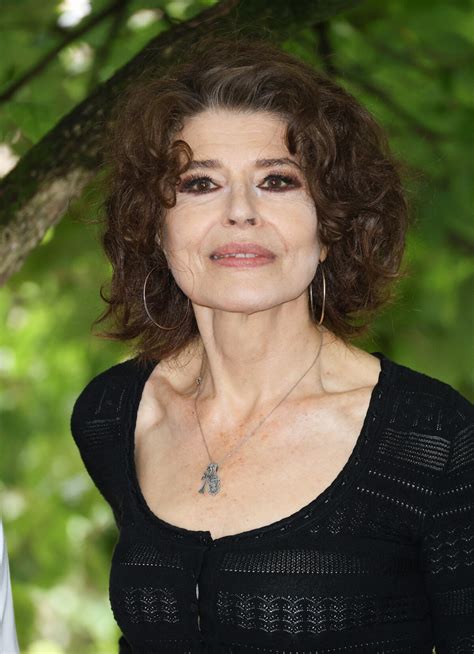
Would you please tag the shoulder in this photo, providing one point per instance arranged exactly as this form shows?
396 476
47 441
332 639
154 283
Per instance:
428 390
431 412
100 422
102 400
417 381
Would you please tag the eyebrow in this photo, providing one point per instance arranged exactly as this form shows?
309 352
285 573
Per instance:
260 163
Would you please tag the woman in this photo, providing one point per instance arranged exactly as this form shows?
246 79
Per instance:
276 488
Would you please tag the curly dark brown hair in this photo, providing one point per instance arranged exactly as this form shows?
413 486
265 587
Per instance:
353 178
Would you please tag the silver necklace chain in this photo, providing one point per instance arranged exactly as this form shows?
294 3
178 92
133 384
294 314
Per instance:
210 476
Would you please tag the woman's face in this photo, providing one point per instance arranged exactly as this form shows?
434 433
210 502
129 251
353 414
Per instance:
237 197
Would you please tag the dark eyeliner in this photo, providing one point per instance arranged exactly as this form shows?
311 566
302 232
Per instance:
288 179
188 183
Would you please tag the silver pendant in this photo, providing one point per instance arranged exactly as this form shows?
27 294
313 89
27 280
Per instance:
210 477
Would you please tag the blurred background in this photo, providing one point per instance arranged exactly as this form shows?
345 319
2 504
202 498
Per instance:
410 63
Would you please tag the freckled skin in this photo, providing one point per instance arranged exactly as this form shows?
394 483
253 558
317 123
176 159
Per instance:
255 333
257 339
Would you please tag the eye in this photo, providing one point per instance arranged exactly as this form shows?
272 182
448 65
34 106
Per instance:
287 179
196 184
199 184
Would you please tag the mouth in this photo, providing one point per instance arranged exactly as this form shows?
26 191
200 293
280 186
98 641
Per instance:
237 255
241 260
241 250
241 254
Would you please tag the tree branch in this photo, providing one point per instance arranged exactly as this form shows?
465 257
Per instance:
40 65
356 75
437 61
103 51
325 50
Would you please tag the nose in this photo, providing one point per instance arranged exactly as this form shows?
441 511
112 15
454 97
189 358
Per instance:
241 207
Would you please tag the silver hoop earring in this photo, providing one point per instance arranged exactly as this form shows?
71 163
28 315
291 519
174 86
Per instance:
148 313
324 295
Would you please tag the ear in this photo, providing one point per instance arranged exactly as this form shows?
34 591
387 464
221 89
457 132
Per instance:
324 253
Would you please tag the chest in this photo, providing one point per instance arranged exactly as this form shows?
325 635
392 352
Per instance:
288 462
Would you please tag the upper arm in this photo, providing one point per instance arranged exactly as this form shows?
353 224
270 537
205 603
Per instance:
123 645
97 426
448 541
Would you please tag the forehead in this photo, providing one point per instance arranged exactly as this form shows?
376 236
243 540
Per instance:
235 131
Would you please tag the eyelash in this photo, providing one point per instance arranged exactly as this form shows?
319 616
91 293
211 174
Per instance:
189 183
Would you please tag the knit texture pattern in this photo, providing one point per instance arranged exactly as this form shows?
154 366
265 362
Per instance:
382 561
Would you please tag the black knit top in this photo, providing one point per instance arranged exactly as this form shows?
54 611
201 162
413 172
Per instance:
381 561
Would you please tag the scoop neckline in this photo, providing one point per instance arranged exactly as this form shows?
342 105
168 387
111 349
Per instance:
318 507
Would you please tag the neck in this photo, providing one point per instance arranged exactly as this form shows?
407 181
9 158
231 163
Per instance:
248 361
239 382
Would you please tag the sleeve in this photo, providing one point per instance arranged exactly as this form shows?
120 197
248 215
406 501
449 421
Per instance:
8 636
97 426
124 647
447 546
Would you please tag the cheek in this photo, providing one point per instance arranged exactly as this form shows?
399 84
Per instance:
298 216
191 203
297 199
191 215
292 212
185 224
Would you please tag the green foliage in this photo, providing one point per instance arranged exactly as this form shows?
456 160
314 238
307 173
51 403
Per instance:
411 64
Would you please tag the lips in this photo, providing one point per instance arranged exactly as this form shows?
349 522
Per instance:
242 248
